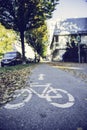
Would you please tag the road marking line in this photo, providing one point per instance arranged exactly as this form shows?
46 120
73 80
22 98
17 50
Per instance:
38 85
79 129
65 67
34 83
41 77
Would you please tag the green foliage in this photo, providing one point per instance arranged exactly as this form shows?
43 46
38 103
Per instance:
21 15
7 38
17 67
38 39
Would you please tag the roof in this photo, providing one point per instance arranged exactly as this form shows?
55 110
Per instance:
71 26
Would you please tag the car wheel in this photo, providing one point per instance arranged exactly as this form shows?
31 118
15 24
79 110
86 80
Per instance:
13 63
2 65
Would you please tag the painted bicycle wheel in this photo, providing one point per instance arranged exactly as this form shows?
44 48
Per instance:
20 99
60 98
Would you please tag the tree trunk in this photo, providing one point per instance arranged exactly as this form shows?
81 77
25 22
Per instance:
22 45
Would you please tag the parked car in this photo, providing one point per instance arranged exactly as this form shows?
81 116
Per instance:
33 60
37 59
11 58
29 60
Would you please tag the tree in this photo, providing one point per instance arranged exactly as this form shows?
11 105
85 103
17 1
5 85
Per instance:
21 15
7 38
38 39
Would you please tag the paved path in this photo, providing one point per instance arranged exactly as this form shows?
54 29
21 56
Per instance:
52 100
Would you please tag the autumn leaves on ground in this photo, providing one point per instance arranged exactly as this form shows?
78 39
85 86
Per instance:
15 77
11 79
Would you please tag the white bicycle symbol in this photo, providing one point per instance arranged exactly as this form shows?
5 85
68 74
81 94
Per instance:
52 95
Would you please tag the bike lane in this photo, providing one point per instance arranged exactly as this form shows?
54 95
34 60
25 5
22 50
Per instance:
52 100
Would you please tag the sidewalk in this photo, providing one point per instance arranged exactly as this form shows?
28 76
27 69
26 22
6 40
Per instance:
78 70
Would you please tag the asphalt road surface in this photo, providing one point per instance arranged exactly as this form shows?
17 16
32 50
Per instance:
52 100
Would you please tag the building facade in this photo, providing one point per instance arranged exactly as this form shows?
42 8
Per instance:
69 41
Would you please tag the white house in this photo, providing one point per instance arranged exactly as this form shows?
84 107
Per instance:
67 31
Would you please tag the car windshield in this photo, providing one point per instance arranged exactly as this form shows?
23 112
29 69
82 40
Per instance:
7 55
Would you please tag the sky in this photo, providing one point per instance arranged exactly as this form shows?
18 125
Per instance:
70 9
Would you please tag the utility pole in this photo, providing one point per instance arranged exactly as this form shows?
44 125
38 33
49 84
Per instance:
78 40
79 59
